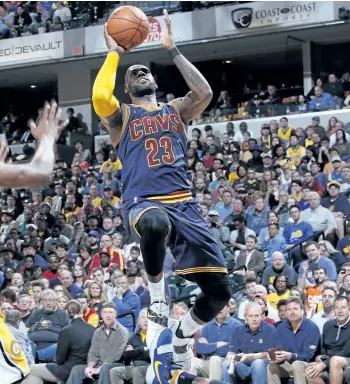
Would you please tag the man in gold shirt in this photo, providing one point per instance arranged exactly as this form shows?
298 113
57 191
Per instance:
113 162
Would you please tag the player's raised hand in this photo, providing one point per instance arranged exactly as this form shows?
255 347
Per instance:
168 40
49 125
111 43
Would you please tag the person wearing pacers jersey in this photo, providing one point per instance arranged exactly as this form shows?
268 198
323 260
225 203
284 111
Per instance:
158 206
13 363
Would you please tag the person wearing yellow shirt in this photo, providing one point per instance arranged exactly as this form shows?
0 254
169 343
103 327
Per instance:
295 151
280 285
113 162
284 132
295 190
13 364
107 194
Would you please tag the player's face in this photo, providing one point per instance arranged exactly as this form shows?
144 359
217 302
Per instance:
139 81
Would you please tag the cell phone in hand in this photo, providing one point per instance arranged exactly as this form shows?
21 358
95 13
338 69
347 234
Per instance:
313 266
272 352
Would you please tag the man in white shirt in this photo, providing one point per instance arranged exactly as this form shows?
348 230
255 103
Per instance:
321 219
62 12
328 298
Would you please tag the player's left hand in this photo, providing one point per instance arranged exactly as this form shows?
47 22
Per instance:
168 40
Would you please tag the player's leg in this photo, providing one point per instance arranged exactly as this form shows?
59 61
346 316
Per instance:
154 227
163 369
213 298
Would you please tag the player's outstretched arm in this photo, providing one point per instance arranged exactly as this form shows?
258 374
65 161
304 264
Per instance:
196 101
38 172
105 104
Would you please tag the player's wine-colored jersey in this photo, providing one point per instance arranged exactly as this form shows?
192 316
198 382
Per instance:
152 146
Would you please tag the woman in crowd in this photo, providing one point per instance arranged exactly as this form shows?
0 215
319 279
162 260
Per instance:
280 284
60 290
278 154
79 275
8 275
327 250
86 258
95 297
62 302
232 308
331 129
299 293
342 145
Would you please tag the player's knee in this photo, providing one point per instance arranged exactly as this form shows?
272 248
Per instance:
154 223
218 290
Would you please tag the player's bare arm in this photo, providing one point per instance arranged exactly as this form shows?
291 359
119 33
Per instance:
200 95
105 103
38 172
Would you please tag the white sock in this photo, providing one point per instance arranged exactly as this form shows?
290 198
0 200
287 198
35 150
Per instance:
189 326
157 290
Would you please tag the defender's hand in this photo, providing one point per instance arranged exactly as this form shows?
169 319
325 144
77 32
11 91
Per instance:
111 43
168 40
49 125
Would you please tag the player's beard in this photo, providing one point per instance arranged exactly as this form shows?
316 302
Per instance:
141 90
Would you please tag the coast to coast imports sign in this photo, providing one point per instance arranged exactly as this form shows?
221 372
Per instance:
274 14
33 48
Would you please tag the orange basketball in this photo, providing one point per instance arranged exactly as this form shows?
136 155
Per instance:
128 26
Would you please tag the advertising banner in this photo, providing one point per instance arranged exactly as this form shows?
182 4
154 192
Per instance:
280 14
181 24
26 49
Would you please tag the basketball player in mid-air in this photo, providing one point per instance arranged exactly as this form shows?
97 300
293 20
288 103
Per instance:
157 203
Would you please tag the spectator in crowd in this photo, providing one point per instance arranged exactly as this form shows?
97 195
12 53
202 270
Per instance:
45 325
89 315
299 338
107 348
213 344
64 13
66 280
327 313
335 336
322 100
273 242
250 258
278 267
313 253
251 342
126 303
136 356
13 321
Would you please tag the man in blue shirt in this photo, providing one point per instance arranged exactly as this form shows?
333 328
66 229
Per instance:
257 216
251 342
299 338
313 253
213 344
322 101
273 242
298 231
126 301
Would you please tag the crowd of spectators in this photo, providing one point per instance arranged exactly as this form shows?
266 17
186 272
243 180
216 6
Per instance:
328 93
73 288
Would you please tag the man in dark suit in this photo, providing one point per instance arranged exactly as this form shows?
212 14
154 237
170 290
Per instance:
73 346
250 259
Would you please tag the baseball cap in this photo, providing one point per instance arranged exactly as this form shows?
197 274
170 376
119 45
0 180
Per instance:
242 190
256 97
94 234
317 118
235 149
336 158
256 148
335 183
213 213
104 251
32 226
107 188
265 126
45 203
